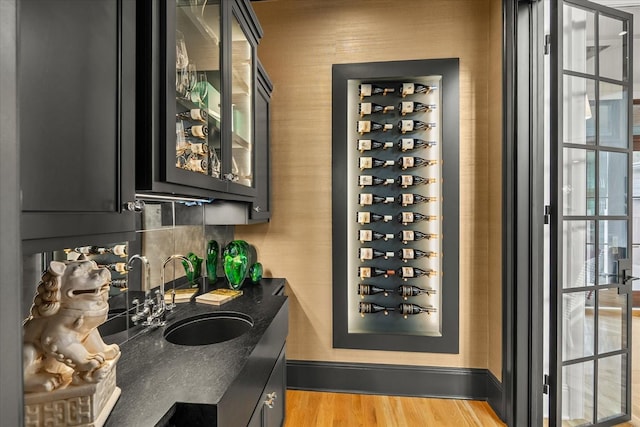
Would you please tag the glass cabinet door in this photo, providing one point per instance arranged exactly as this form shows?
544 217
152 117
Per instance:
242 66
197 87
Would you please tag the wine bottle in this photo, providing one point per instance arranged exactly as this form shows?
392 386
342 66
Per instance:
369 217
405 181
411 309
372 162
119 250
119 283
405 126
407 254
413 88
200 148
367 272
407 107
407 162
365 108
370 235
371 290
196 164
406 291
366 126
365 199
195 114
197 131
405 144
410 217
366 89
371 253
369 307
120 267
365 180
413 235
407 199
371 144
91 250
411 272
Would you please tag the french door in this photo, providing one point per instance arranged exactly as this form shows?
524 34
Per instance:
591 159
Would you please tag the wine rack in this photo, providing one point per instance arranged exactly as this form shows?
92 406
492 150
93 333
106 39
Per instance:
112 257
395 147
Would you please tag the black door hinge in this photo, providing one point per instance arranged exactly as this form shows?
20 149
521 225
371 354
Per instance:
545 384
547 214
547 44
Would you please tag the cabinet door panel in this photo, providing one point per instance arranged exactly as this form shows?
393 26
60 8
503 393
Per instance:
274 393
261 206
68 123
77 117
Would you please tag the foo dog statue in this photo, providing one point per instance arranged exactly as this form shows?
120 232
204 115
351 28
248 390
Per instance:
61 343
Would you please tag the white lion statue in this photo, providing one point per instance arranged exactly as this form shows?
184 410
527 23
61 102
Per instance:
61 343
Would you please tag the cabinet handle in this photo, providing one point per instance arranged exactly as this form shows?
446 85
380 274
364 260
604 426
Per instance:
271 398
257 209
134 206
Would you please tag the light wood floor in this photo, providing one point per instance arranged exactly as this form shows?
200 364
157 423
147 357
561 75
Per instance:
316 409
319 409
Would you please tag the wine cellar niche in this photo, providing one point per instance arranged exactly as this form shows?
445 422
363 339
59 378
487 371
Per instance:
395 205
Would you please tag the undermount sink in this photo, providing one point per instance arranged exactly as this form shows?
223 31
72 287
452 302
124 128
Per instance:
208 328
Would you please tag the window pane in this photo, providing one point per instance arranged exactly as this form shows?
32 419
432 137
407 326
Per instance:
577 318
577 394
612 311
612 386
579 110
612 247
578 40
612 39
613 183
613 117
579 254
578 182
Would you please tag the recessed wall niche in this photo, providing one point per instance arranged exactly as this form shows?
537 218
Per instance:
395 205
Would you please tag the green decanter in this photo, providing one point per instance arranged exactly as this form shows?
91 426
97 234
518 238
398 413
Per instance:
212 260
236 262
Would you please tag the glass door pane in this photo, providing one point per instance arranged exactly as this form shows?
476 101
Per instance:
590 315
241 105
197 82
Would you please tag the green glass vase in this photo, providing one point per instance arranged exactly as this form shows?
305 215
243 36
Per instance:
193 276
255 272
236 262
213 249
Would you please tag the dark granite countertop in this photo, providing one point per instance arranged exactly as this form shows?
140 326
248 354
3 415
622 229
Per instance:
155 374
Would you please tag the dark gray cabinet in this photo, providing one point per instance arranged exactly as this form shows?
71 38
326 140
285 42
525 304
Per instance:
77 116
199 58
260 209
271 406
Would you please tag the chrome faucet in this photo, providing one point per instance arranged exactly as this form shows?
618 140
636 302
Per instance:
147 269
146 309
155 309
164 264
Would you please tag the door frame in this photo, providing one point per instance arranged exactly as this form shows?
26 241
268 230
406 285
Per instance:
523 211
523 214
11 406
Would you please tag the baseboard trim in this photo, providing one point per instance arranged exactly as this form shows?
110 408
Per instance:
494 394
396 380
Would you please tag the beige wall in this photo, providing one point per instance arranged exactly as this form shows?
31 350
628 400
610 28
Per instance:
303 38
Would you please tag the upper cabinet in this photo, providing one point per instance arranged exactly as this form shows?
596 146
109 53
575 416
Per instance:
197 98
76 94
261 205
